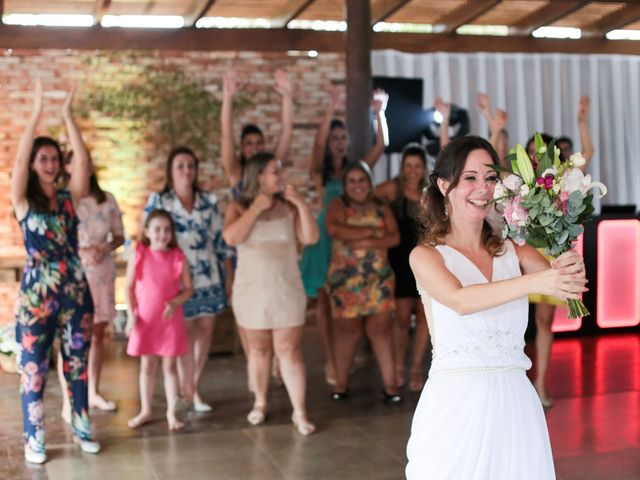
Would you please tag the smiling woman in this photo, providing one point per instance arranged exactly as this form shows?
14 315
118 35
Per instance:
474 286
360 281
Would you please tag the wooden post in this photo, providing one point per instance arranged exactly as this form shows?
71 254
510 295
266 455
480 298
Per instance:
359 86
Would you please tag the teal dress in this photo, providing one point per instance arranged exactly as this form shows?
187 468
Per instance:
316 258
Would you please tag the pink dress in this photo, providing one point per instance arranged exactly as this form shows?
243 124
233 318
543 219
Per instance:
158 279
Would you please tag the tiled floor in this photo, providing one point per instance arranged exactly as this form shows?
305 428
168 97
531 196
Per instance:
594 425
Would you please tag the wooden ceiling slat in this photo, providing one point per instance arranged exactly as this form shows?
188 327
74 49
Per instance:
547 15
290 11
619 19
590 13
198 11
282 40
465 14
385 8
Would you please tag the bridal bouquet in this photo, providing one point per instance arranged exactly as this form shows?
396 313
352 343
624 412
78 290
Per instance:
546 201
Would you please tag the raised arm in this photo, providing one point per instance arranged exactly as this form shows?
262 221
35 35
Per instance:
585 136
283 87
445 110
483 104
337 228
495 129
230 162
20 172
79 182
431 273
379 105
320 142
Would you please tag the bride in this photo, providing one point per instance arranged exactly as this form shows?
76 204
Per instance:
479 417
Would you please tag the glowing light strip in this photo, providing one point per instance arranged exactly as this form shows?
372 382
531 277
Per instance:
143 21
618 294
48 20
623 35
233 22
557 32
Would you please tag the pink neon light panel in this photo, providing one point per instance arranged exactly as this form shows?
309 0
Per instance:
618 295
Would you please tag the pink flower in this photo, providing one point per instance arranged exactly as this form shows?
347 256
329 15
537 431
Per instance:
562 198
515 213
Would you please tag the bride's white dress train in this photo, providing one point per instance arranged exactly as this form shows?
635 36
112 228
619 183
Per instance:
478 416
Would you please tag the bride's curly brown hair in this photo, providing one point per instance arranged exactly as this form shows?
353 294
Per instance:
449 166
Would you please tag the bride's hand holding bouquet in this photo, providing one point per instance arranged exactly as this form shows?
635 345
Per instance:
546 201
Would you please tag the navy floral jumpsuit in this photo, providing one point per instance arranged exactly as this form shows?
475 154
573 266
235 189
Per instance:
54 297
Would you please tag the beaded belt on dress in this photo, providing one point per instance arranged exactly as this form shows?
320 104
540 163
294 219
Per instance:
467 370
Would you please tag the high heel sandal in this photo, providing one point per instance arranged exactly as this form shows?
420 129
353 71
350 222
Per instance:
391 398
302 424
87 446
338 396
257 415
32 456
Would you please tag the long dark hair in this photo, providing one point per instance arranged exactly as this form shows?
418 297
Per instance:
248 129
159 213
168 185
95 191
363 167
36 197
412 150
328 170
254 167
449 167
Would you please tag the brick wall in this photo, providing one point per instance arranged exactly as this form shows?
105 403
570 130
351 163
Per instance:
128 167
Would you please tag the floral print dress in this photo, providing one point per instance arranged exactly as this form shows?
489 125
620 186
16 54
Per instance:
360 281
54 298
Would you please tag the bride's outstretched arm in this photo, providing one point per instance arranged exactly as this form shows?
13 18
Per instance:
565 281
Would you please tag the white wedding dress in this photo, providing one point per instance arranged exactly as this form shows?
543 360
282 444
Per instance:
479 417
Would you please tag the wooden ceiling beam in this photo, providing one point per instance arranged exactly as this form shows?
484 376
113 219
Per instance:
546 15
290 11
282 40
199 10
464 14
385 8
101 8
619 19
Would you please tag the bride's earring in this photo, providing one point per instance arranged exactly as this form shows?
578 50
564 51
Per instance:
446 211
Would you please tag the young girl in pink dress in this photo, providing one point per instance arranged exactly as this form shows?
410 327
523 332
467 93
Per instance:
158 283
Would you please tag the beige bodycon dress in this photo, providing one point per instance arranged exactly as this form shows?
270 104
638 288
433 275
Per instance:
267 289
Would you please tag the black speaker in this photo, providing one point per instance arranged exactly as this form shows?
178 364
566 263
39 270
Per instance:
405 117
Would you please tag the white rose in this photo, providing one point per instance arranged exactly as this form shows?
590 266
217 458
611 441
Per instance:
549 171
499 192
524 190
572 180
513 182
577 160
